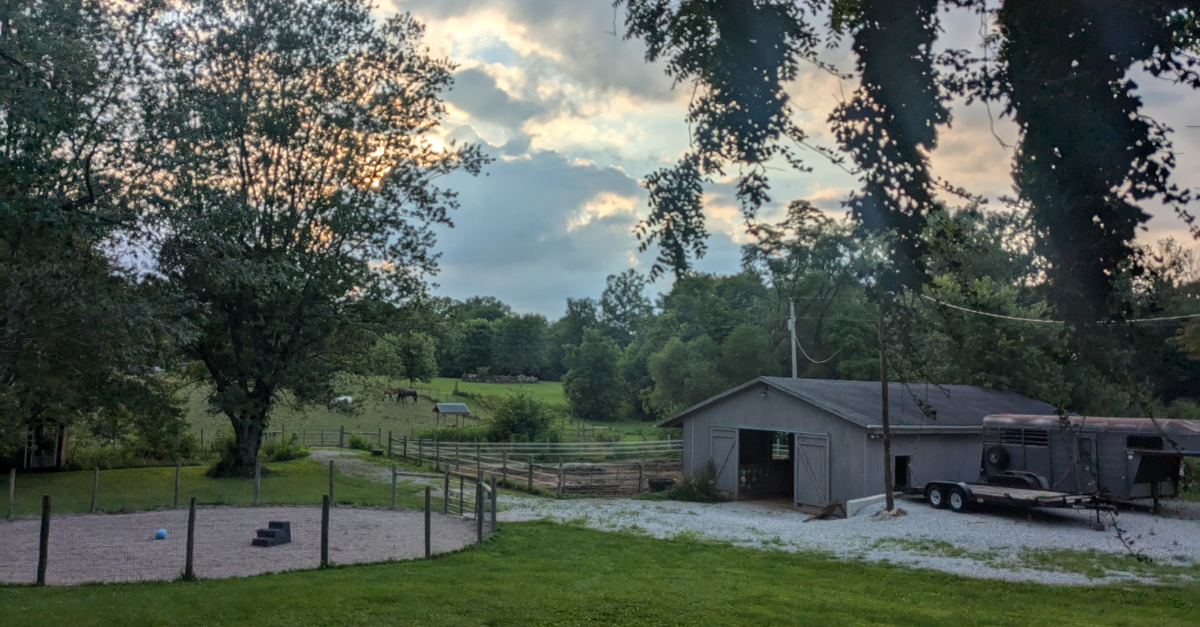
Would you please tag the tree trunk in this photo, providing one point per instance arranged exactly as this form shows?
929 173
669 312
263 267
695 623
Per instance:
248 439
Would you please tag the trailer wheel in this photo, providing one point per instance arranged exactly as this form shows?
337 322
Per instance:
936 496
958 500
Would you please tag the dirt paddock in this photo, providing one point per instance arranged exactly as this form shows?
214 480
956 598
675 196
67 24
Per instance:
122 547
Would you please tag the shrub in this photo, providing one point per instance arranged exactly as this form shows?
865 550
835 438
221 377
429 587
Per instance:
224 449
358 442
700 488
519 417
1191 475
284 449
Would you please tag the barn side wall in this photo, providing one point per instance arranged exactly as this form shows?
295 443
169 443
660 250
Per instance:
954 457
750 409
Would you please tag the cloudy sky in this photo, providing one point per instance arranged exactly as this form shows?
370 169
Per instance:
575 118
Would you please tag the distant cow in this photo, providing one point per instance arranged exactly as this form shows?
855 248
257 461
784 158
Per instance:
402 393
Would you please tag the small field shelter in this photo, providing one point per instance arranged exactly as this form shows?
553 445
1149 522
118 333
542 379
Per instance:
817 441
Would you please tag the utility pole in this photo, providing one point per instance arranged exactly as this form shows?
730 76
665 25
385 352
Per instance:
887 430
792 330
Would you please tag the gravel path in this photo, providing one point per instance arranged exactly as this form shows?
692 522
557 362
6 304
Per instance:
121 547
986 545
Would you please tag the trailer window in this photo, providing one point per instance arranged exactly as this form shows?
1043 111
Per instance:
1147 442
1025 437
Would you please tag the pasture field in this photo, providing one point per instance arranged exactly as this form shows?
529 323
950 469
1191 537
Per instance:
301 481
375 413
549 574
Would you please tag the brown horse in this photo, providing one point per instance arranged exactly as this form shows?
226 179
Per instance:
401 394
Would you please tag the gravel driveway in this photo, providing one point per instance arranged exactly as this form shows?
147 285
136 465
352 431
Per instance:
1010 545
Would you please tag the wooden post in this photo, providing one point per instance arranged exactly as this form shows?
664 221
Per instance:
325 501
437 456
504 467
189 570
641 474
405 449
393 486
457 459
446 495
478 462
389 449
889 499
462 495
95 489
44 542
12 492
495 497
175 498
428 524
530 474
331 480
479 511
379 438
342 436
420 452
560 476
257 478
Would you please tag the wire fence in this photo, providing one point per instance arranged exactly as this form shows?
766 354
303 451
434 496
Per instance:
598 468
278 527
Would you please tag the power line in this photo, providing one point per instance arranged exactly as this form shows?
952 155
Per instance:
1044 321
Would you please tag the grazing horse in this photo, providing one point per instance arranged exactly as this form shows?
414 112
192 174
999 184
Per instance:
402 393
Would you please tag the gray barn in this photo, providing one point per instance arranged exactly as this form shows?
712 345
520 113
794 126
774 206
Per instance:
817 441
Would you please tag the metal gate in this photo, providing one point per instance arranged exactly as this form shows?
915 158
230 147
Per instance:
812 469
725 458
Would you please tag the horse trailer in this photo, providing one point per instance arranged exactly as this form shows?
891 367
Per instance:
1117 459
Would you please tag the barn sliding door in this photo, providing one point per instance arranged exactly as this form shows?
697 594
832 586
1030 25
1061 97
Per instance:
725 458
812 469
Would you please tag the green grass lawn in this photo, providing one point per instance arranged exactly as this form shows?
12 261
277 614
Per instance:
546 574
299 481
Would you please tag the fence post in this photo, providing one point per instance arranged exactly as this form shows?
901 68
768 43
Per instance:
189 571
495 497
393 486
175 498
44 542
479 488
560 476
331 480
379 437
446 495
420 452
389 453
12 492
462 495
504 467
325 529
202 439
428 524
342 436
478 462
437 456
405 449
641 474
257 478
95 489
531 474
457 459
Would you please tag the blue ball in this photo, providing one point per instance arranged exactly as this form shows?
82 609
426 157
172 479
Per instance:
161 534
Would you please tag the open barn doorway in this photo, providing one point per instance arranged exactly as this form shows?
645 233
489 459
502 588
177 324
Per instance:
766 465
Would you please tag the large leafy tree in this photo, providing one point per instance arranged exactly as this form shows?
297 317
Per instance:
1089 157
76 336
298 184
592 383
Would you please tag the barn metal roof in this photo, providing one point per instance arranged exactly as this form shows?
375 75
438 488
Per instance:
452 408
859 402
